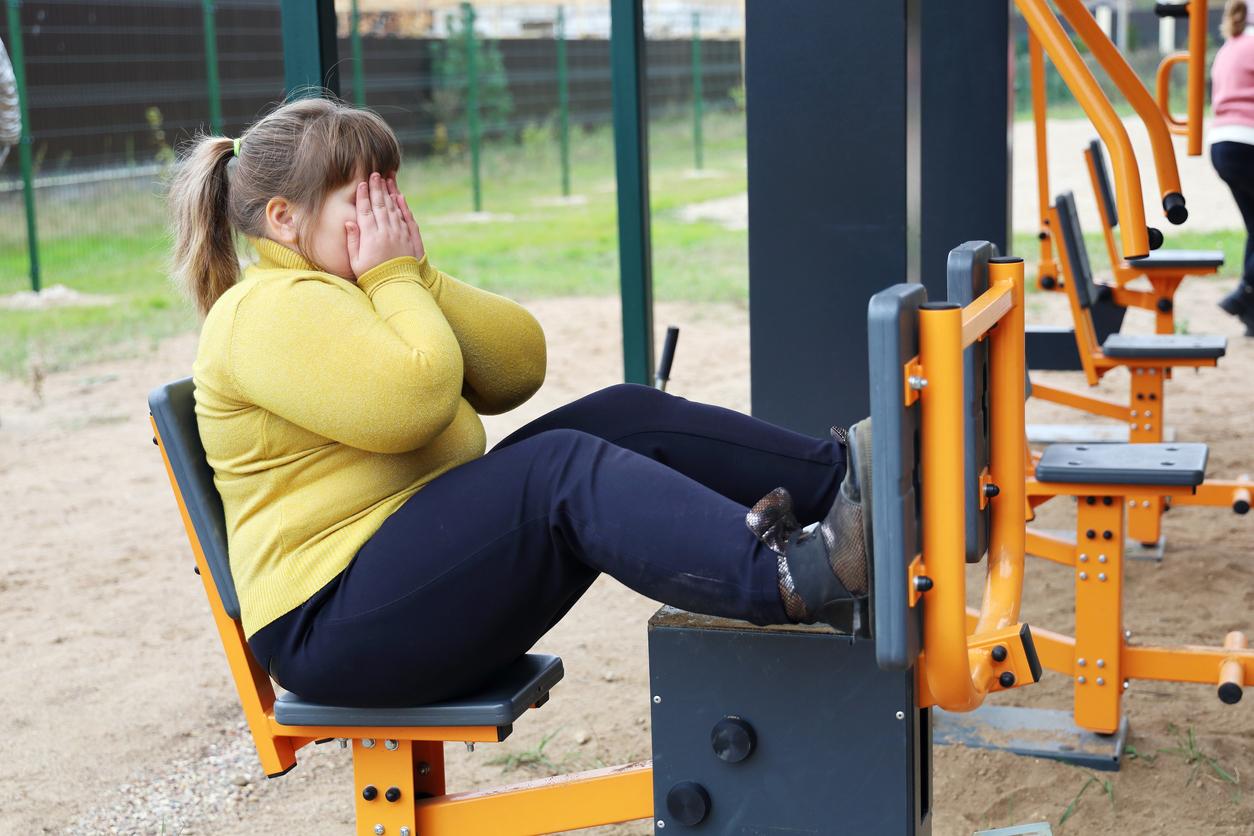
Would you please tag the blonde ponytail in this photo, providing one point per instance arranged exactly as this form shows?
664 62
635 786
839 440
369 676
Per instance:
1235 14
205 263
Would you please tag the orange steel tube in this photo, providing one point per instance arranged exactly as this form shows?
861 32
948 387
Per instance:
944 509
1232 671
1125 78
1197 73
1096 106
1162 83
1036 65
984 312
1007 468
958 677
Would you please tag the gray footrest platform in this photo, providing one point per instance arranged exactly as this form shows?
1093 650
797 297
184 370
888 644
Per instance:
1179 258
1124 464
1165 346
499 703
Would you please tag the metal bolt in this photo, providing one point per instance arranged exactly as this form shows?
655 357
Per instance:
1146 426
1101 681
1080 679
1084 576
379 830
1145 503
1101 576
1127 634
1126 685
1101 558
368 743
391 745
1149 413
1131 503
1101 663
901 715
470 747
404 830
1081 661
1084 558
656 699
660 824
916 382
1132 425
424 768
343 742
1134 413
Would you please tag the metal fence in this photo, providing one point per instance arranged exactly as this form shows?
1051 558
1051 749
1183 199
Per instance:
111 88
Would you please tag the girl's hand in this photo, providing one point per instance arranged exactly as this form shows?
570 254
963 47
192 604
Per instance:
380 233
415 236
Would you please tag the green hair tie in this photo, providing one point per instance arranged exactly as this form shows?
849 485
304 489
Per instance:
237 146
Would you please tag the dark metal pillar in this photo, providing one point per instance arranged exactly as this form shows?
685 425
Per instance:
878 139
309 50
631 153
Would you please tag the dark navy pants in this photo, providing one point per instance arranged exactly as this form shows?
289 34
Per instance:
1234 163
472 570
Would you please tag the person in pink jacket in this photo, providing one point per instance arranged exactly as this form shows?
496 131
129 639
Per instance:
1232 142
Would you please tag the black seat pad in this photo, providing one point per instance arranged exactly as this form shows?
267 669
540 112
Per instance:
1124 464
499 703
1159 259
1165 346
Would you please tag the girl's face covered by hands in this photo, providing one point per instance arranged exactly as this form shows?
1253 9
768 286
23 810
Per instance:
328 238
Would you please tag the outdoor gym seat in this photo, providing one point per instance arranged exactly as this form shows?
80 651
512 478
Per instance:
1124 464
1165 346
1187 259
281 726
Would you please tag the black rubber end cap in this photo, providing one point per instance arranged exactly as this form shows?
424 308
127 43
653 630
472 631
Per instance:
370 793
1155 237
688 803
1241 507
1164 305
1048 282
1230 693
1173 205
1007 679
999 653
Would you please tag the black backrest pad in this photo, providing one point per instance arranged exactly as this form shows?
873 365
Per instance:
173 407
1104 193
1077 252
967 278
893 339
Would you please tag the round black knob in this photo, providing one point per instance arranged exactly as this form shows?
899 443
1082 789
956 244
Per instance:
1042 235
1048 282
991 490
999 653
733 739
1106 535
688 803
1163 305
1241 506
1091 534
393 794
1154 237
1006 679
1230 693
370 793
923 583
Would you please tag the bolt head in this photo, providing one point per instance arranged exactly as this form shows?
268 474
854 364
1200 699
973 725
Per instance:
404 830
1081 679
367 743
1084 558
660 824
901 715
1101 576
1101 558
1101 663
424 768
1081 661
390 745
1084 576
656 699
1101 681
379 830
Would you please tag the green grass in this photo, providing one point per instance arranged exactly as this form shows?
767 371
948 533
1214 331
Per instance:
111 241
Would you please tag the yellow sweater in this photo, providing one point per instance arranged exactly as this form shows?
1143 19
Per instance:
323 405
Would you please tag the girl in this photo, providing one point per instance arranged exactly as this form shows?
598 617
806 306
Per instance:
1232 142
380 557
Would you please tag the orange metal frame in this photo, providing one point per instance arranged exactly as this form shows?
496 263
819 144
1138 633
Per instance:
1195 57
1100 659
1164 281
1054 40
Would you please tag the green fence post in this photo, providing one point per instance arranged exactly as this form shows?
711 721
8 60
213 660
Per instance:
24 144
631 158
309 47
359 76
697 100
211 66
472 101
563 100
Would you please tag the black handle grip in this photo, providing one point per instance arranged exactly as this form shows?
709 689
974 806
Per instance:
1171 9
1173 205
1155 237
668 356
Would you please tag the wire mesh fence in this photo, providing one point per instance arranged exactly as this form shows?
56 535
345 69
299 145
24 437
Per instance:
113 87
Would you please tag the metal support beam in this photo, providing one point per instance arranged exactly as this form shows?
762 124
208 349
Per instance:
309 49
631 153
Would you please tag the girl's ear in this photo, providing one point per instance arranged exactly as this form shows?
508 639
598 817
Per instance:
281 221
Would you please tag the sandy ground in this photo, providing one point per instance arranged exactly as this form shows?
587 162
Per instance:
121 716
